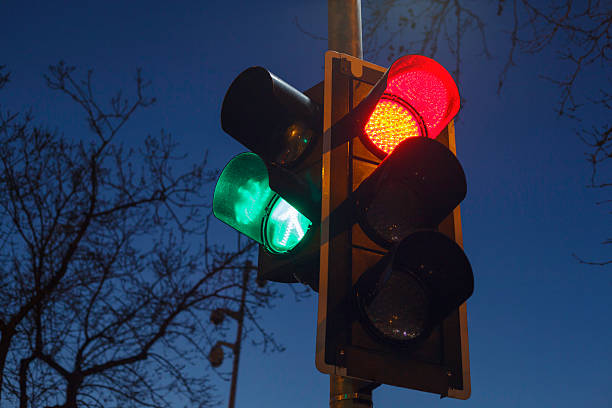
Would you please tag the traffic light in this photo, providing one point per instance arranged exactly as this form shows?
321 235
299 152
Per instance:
272 194
393 275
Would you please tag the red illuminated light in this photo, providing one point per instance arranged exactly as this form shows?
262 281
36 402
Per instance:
420 99
391 122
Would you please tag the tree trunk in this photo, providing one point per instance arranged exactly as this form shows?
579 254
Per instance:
71 392
5 344
23 381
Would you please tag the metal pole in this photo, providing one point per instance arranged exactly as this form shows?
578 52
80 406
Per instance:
349 392
237 343
344 35
344 27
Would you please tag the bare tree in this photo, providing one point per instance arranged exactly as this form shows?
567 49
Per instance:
107 275
4 76
580 32
396 27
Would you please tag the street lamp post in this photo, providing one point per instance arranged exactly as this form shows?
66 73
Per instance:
217 317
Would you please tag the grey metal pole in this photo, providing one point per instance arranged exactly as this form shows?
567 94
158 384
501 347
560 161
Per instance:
344 35
349 392
344 27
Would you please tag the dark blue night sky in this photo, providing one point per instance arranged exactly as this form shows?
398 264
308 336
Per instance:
539 321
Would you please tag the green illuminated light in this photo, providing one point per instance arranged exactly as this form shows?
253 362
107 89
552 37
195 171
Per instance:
286 227
244 201
242 195
250 201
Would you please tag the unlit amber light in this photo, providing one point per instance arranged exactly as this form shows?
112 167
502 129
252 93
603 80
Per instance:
390 123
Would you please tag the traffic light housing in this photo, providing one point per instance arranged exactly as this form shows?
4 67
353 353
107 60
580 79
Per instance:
393 276
272 193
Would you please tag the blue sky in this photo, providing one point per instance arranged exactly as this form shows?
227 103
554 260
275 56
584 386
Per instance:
539 322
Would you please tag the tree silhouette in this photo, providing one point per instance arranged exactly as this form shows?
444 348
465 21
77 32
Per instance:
107 275
580 33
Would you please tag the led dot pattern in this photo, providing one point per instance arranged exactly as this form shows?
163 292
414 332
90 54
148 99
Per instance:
286 227
390 123
426 93
420 99
400 310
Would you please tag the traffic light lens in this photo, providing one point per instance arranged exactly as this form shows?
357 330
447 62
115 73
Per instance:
285 227
296 139
244 200
400 309
428 88
391 122
425 91
414 287
391 215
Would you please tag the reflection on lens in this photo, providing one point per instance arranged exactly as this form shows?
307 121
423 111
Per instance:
296 139
400 309
242 195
